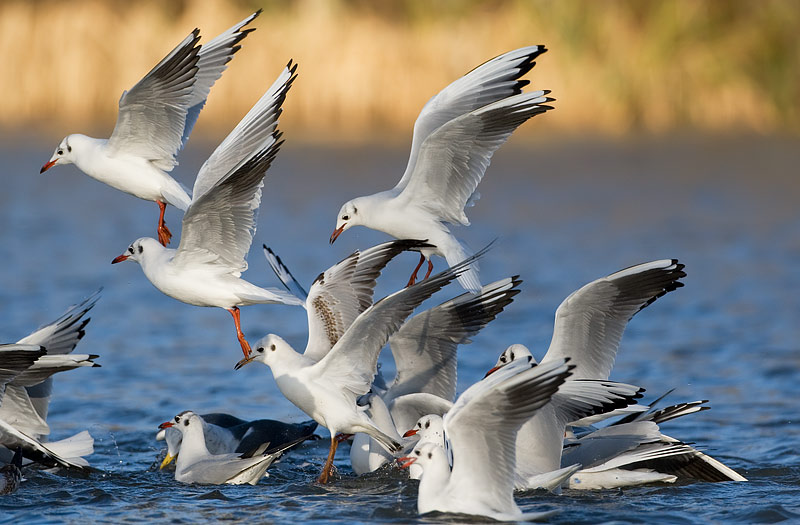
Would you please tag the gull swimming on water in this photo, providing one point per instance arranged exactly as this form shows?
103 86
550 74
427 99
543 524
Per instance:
455 136
220 223
155 119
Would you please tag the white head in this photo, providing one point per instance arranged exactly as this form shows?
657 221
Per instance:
64 153
267 350
139 250
429 429
348 216
429 457
512 353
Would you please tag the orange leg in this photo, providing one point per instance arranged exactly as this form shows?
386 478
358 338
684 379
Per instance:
413 278
239 335
164 235
430 269
326 470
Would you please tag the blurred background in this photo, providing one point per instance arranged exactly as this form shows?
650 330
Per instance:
366 68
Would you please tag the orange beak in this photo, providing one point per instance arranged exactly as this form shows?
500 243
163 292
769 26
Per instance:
166 424
48 165
492 371
412 432
405 461
119 258
336 233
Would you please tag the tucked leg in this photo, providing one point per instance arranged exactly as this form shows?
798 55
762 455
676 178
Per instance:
239 335
413 278
164 235
326 470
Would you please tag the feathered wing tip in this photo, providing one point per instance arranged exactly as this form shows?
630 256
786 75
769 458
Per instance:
74 447
62 335
468 276
284 275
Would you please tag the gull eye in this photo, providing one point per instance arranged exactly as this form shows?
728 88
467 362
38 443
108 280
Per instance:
345 217
260 349
177 419
141 249
272 347
60 152
417 452
130 249
503 358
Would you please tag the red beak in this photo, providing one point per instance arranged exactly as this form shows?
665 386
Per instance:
48 165
405 461
166 424
119 258
412 432
336 233
490 372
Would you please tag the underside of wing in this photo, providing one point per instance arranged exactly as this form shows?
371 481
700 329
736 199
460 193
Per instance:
590 322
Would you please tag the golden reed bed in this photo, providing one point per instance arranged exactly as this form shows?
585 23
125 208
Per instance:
367 68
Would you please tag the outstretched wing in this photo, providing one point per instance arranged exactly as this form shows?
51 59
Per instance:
452 160
590 322
425 347
493 80
152 114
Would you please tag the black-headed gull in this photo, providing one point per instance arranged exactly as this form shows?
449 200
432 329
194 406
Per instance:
220 223
155 119
196 464
327 390
455 136
588 328
227 434
11 474
16 360
425 356
480 433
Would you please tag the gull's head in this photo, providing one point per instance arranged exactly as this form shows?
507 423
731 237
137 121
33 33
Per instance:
181 422
428 428
138 250
511 354
267 350
173 438
62 155
348 216
425 455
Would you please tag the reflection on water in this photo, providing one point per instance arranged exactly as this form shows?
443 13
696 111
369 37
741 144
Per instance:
565 212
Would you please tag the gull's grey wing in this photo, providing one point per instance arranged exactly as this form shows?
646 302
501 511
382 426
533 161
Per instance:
15 359
221 223
152 114
590 322
493 80
425 347
252 134
212 61
453 159
353 360
345 290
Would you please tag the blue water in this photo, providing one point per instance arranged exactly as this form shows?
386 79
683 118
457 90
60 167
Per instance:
565 212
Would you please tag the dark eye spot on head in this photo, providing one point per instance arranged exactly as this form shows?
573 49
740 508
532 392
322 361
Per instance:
272 347
511 356
186 423
355 210
69 148
141 249
430 455
427 424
